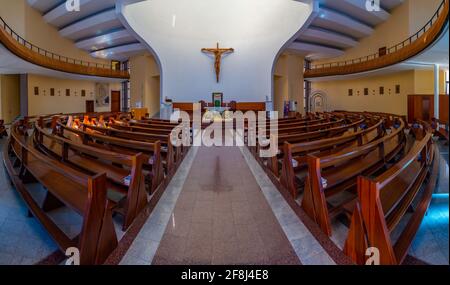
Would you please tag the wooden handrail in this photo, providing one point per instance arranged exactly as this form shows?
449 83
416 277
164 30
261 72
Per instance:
42 57
405 50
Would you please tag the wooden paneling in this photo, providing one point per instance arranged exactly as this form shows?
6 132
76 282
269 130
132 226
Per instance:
422 107
183 106
139 113
241 106
251 106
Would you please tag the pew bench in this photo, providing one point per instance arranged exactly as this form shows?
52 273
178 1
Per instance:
294 162
330 175
383 201
125 180
84 194
171 155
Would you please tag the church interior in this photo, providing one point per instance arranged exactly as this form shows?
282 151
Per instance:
224 132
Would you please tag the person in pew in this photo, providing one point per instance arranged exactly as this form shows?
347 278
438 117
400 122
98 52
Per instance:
363 126
415 128
86 120
101 122
3 132
397 123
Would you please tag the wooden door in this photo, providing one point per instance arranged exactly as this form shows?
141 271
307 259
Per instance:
89 106
410 109
115 101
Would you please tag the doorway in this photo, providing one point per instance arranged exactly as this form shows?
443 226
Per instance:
90 106
115 101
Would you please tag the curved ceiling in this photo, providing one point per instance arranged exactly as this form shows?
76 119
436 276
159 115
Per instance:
95 28
340 24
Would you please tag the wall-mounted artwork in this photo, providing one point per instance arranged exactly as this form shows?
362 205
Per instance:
102 94
36 91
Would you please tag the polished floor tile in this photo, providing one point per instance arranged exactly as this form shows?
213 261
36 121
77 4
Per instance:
222 217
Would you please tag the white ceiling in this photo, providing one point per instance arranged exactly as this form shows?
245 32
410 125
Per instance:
339 25
95 28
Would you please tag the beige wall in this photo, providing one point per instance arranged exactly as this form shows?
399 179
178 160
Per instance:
29 24
424 81
9 97
288 82
145 83
411 82
60 103
420 12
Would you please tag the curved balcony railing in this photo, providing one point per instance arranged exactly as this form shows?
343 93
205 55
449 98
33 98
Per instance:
400 52
42 57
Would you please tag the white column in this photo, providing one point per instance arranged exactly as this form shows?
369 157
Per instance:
436 91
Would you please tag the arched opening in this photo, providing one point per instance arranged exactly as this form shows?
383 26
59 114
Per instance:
318 102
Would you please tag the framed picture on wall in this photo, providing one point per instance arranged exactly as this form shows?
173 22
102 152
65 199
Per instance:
217 99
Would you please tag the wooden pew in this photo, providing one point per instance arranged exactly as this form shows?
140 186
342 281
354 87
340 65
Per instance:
332 174
316 135
84 194
170 154
295 152
151 150
124 172
384 200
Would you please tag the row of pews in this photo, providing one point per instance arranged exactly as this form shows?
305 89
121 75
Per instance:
100 166
361 167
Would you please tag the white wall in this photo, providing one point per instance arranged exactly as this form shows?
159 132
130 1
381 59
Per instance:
176 31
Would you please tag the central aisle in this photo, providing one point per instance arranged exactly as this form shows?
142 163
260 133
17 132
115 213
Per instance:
222 217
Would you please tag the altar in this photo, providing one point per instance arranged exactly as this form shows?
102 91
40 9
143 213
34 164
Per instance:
217 114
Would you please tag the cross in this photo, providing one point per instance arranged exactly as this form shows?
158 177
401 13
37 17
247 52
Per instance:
218 52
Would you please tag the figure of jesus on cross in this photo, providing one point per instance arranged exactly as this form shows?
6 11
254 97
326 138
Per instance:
218 52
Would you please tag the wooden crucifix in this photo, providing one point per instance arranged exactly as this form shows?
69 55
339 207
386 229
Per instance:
218 52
